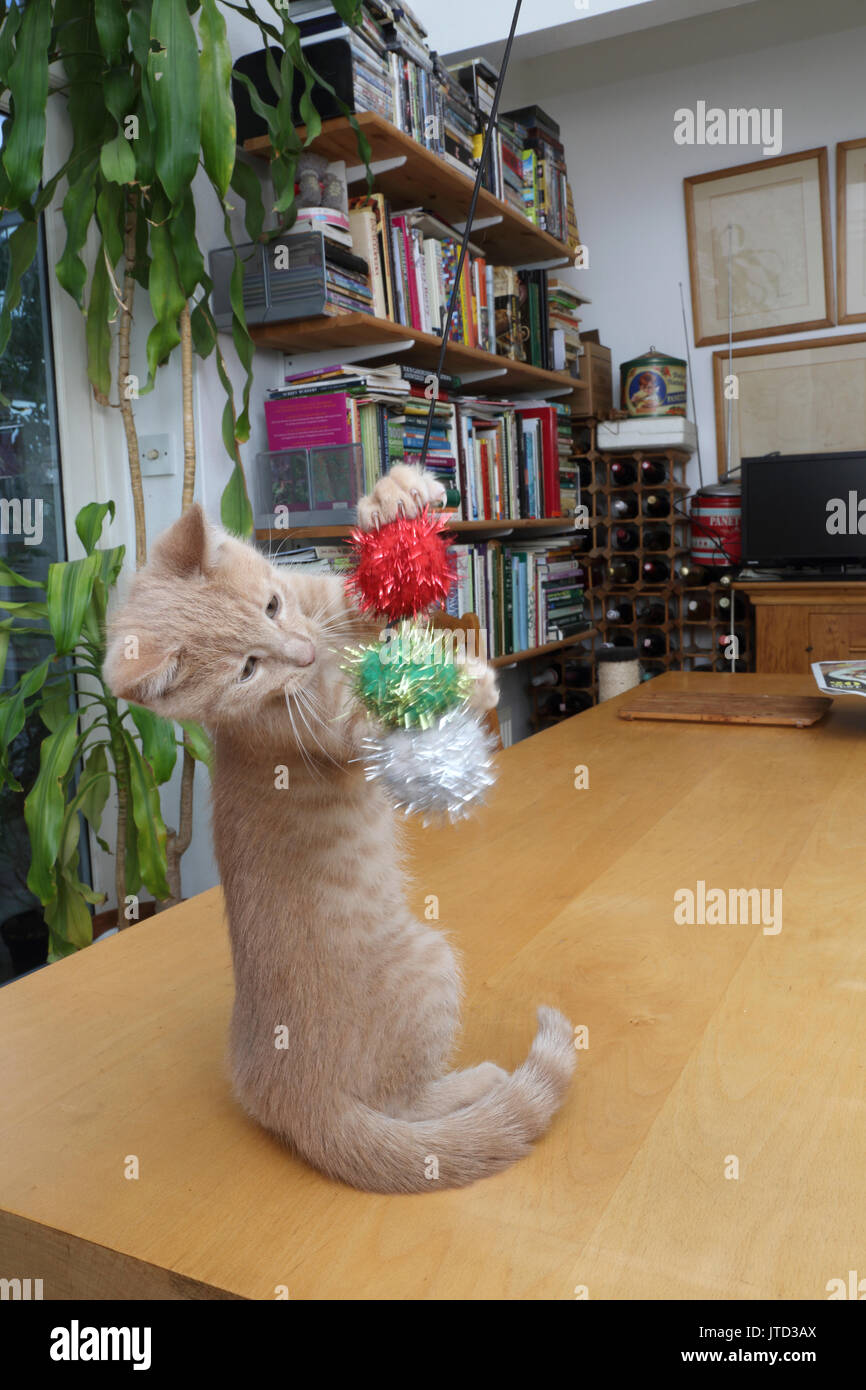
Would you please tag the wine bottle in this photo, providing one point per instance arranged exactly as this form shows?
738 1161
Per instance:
625 537
698 610
725 603
624 507
655 571
723 665
653 614
582 539
694 576
577 673
619 639
584 472
621 612
656 537
623 569
657 504
622 473
652 644
549 676
652 471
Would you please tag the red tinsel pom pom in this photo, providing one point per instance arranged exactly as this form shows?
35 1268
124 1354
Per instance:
403 567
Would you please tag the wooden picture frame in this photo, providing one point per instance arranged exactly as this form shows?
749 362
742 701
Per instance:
782 266
851 230
802 397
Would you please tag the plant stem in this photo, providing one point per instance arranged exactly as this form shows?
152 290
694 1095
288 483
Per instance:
178 841
129 252
121 777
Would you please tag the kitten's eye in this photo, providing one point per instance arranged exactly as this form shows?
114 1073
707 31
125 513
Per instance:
273 607
249 667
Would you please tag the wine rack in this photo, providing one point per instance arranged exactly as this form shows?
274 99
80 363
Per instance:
544 696
713 623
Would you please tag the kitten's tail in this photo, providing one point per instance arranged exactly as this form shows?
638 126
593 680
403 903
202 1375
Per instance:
378 1153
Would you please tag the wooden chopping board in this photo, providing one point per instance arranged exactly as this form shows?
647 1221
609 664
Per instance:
799 711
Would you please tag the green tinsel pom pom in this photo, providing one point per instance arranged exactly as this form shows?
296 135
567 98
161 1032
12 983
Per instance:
409 679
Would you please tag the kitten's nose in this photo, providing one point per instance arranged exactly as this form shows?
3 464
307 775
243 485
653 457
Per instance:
302 652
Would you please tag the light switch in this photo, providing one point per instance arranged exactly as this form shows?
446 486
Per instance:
157 455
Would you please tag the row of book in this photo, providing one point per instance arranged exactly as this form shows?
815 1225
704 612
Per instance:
503 460
525 594
412 259
385 63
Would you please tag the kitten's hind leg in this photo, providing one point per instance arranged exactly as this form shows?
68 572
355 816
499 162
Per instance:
454 1091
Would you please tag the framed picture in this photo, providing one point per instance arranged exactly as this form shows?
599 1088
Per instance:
760 248
793 398
851 230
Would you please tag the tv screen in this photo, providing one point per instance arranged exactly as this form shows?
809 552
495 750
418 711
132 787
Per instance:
804 509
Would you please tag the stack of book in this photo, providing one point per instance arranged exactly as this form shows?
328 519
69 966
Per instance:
365 47
460 121
508 459
413 261
510 149
525 593
546 192
563 311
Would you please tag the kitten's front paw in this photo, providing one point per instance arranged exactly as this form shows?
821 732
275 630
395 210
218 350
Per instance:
485 692
405 491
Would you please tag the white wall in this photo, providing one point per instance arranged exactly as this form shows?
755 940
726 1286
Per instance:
626 172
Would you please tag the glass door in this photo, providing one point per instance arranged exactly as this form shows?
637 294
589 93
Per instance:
31 537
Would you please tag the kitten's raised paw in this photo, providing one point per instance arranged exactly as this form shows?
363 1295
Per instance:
405 491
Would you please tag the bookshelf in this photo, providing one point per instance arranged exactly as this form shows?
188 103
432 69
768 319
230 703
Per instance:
411 176
427 180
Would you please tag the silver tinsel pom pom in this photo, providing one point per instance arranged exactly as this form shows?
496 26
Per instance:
446 770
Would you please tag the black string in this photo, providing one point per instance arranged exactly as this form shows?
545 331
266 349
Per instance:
488 137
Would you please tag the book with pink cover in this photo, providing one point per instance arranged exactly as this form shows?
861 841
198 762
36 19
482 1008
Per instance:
309 422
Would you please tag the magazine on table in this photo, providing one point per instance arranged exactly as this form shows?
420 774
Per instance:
840 677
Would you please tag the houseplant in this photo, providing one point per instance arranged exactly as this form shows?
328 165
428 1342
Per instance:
86 748
147 89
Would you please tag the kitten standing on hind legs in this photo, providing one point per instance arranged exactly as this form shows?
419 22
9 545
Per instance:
346 1007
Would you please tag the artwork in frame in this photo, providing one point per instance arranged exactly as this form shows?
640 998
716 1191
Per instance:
794 398
851 230
760 248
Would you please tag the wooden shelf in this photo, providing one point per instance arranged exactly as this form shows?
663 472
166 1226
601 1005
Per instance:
365 330
426 180
489 530
532 652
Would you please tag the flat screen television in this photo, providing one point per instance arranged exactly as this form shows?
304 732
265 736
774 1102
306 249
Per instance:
804 509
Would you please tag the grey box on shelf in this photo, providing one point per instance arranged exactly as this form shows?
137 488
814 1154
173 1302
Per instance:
308 487
285 279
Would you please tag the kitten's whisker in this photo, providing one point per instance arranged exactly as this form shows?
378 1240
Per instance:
299 742
301 699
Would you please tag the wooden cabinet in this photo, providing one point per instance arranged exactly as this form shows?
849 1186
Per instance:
798 623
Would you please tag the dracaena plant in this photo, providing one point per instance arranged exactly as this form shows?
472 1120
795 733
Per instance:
146 86
87 748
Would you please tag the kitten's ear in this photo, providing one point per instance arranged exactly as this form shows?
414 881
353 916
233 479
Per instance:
187 548
141 668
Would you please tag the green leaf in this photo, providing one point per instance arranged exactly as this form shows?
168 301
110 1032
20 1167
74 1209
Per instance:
198 743
90 521
94 787
68 591
218 131
236 514
111 215
78 208
97 332
133 868
172 77
23 609
112 28
167 299
70 923
45 807
12 577
203 334
21 248
246 183
158 743
24 135
152 835
184 244
54 705
117 161
10 27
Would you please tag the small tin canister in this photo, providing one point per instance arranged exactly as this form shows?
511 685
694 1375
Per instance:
654 384
717 526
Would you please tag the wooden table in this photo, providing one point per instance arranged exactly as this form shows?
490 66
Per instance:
706 1044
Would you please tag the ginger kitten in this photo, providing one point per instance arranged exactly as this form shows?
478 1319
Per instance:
323 943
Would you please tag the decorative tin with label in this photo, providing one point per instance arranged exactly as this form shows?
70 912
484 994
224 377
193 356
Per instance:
654 384
716 525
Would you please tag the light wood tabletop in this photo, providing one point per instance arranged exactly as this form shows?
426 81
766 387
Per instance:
712 1145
